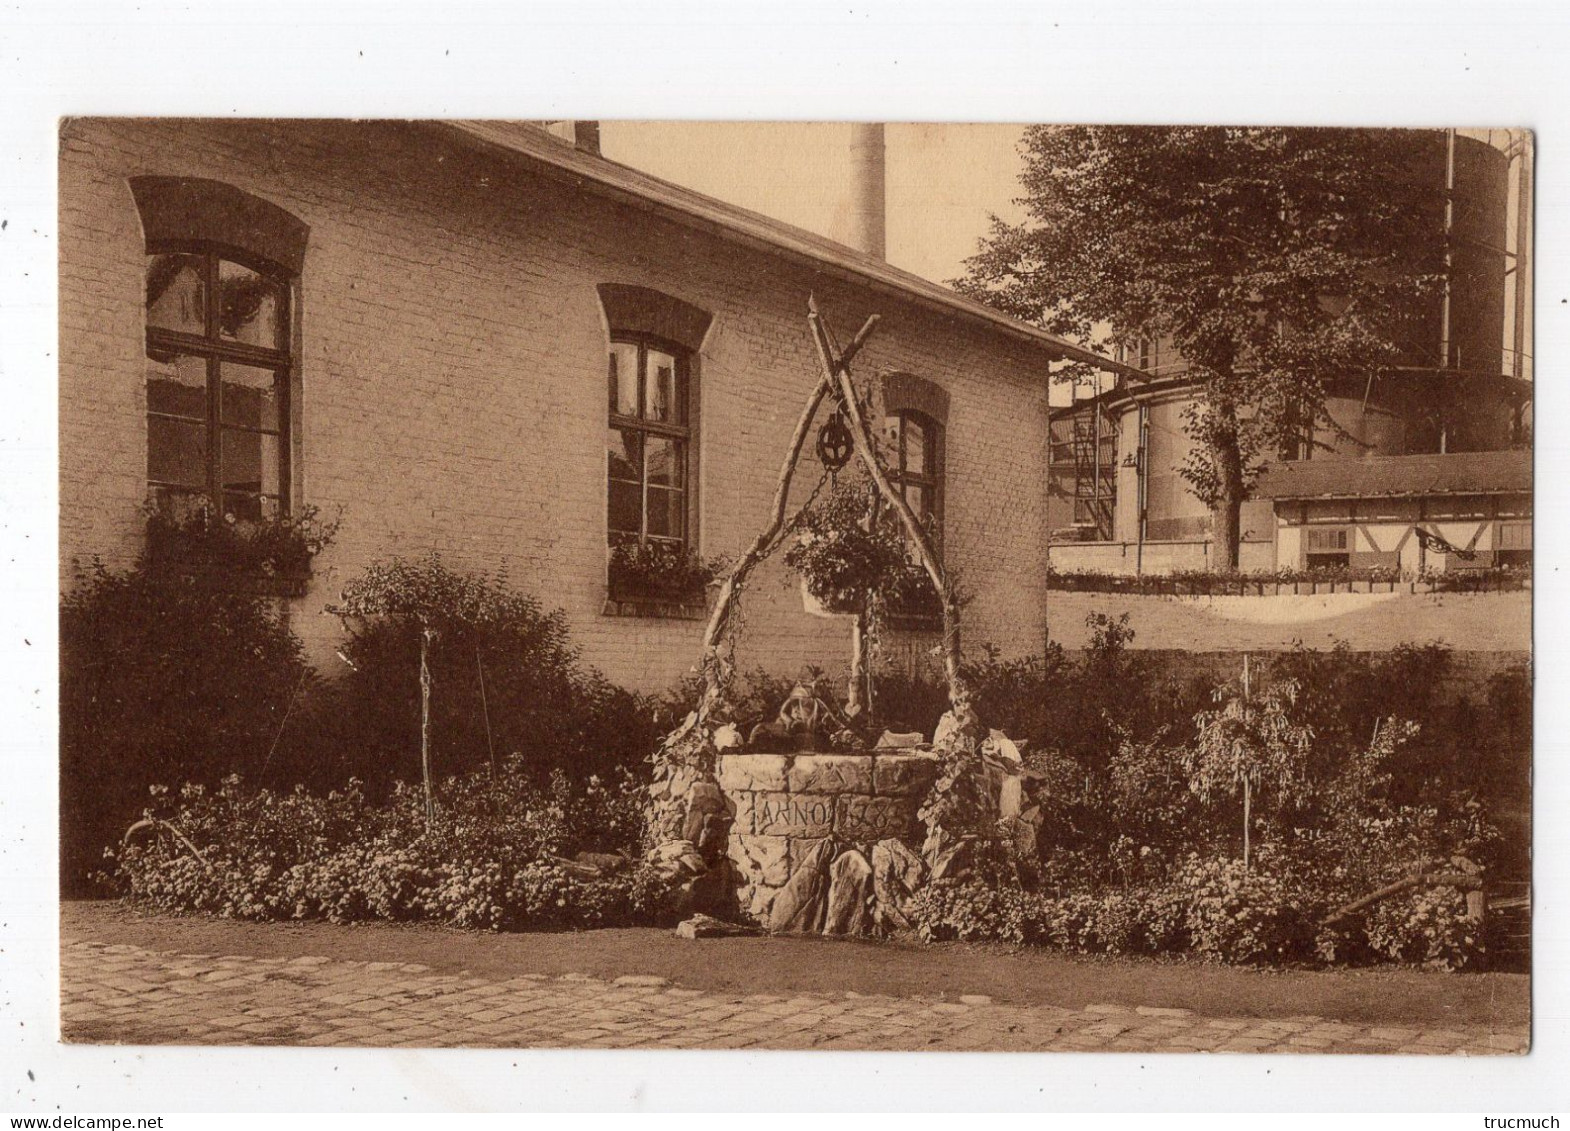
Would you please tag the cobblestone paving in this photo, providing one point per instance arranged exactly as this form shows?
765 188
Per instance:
124 994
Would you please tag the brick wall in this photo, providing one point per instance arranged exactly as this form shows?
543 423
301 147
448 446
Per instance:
452 380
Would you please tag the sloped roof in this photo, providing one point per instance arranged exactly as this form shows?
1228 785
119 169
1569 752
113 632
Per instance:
522 141
1458 473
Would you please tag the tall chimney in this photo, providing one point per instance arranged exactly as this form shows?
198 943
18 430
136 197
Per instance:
586 136
867 191
583 134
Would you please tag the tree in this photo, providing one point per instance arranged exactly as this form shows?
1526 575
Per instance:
1249 743
1276 261
854 560
503 677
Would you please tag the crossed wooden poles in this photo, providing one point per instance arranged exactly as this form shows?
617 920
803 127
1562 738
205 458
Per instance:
834 381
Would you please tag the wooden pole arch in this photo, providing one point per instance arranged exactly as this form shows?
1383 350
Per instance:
716 666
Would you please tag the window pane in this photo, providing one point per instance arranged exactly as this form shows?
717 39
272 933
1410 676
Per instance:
250 396
667 513
179 503
624 379
250 508
250 307
1515 536
626 508
174 293
665 462
177 385
915 446
890 438
176 452
624 454
666 394
250 463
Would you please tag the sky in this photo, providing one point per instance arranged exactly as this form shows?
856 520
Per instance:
943 180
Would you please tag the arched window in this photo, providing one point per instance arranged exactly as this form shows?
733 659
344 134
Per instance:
915 418
221 266
652 433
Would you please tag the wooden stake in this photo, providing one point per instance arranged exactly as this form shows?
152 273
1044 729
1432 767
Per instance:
485 711
837 374
1247 790
859 694
854 696
425 724
713 665
1247 794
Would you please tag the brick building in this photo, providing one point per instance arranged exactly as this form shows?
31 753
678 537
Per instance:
410 325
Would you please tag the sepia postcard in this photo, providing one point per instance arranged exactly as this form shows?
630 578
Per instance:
795 586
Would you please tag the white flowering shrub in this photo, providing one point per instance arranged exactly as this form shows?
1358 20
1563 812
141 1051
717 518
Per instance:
1243 916
1429 927
493 859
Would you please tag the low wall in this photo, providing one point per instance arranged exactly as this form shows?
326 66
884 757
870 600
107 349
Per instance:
812 833
1466 622
1154 557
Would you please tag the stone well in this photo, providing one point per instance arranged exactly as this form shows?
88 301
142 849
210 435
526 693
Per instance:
821 843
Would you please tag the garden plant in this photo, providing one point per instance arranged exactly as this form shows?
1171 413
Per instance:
255 789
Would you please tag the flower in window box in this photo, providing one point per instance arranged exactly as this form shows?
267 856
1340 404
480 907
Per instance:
659 571
182 535
913 595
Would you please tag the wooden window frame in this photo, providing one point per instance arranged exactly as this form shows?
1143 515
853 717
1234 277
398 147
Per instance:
214 351
1344 551
1513 555
686 434
931 475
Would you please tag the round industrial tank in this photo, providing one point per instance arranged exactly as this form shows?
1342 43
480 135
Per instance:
1471 339
1477 257
1374 429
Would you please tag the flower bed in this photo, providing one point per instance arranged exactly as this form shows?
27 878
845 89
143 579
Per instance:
496 857
1211 910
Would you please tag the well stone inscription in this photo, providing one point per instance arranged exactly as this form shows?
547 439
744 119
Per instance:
792 809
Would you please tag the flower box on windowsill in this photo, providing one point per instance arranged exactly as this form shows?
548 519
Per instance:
622 601
914 606
268 557
658 580
235 579
915 622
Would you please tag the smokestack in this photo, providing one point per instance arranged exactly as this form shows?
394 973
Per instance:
586 136
867 190
583 134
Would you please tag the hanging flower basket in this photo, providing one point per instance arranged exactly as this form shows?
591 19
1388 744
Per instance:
816 607
843 565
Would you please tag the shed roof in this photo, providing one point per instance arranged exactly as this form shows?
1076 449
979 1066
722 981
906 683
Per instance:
1457 473
525 142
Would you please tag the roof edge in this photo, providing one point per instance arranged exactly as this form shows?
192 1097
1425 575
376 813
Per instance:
688 206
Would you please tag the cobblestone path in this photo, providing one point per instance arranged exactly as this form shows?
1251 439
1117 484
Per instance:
124 994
